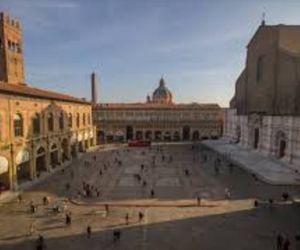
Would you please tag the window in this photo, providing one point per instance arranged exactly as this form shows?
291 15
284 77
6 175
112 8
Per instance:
61 121
50 122
83 119
259 68
89 119
78 120
18 125
70 120
36 124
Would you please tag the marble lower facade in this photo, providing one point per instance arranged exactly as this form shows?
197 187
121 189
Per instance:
277 136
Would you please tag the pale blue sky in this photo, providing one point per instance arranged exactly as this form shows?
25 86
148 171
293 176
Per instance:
198 46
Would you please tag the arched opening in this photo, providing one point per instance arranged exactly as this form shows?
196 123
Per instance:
65 150
100 137
256 138
167 136
281 144
23 166
40 161
176 136
129 132
78 120
196 135
18 125
54 156
158 135
186 133
148 135
139 135
70 120
61 121
73 150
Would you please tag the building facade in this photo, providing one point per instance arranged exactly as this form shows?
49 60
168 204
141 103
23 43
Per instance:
39 129
264 112
157 119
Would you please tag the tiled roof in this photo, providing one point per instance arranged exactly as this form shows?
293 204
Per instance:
155 106
24 90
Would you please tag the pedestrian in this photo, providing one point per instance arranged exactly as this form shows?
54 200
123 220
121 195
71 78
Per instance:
199 201
127 218
45 200
20 197
141 216
106 209
279 241
255 203
31 229
186 172
116 235
40 244
227 193
142 167
144 183
152 193
286 244
285 196
32 207
68 219
100 172
89 231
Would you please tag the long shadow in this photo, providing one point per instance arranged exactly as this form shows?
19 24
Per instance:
248 229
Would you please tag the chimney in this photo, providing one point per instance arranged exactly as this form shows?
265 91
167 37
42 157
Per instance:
94 88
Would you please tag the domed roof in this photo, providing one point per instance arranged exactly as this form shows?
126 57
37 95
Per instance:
162 94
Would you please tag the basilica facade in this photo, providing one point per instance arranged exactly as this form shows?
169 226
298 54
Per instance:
157 119
39 129
264 112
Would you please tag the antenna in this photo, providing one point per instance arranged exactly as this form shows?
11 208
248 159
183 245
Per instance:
263 20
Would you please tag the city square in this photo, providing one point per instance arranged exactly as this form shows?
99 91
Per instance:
178 173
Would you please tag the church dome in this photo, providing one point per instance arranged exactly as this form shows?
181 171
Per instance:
162 94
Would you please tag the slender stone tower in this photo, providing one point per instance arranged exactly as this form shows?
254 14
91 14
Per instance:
94 88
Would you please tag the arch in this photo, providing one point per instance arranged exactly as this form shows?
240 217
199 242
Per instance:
176 136
23 166
186 133
18 125
40 161
53 147
256 138
36 124
50 122
196 135
281 144
157 135
139 135
129 132
148 135
54 155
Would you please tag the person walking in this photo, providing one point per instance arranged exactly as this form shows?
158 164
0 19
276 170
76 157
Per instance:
152 193
68 219
141 216
286 244
127 218
89 231
279 241
199 201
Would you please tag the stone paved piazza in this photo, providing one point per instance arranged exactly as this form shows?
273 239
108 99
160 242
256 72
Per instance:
172 219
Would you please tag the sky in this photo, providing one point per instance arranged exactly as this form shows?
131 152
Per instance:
198 46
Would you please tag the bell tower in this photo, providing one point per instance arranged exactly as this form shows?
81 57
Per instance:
11 52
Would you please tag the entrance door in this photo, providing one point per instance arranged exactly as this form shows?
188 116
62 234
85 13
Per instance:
282 147
23 173
186 133
256 138
129 133
40 164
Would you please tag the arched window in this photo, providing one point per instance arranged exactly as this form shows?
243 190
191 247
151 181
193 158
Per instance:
259 68
61 121
36 124
89 119
50 122
78 120
83 119
70 120
18 125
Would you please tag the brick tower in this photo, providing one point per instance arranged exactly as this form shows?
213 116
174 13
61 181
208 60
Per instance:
11 52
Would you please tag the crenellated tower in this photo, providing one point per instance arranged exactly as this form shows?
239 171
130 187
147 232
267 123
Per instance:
11 51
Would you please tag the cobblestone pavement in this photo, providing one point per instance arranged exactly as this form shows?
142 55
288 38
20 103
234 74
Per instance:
172 218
